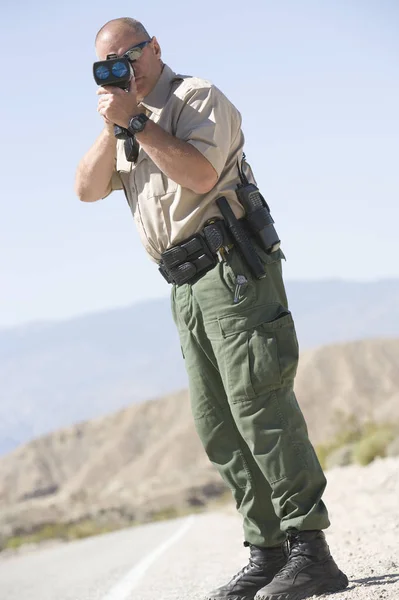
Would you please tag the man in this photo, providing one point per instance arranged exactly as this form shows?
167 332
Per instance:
237 334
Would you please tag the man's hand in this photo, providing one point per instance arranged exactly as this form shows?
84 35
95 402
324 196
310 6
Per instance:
117 106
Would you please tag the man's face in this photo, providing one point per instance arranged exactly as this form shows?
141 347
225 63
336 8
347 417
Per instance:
147 68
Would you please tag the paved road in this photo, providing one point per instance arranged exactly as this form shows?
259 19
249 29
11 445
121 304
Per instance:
160 560
185 558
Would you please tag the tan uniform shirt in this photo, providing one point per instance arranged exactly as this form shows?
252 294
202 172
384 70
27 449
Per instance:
197 112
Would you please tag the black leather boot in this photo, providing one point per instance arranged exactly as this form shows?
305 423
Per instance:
263 564
310 570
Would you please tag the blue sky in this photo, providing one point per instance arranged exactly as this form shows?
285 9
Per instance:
316 82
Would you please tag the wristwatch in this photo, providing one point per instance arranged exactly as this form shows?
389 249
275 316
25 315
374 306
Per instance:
137 123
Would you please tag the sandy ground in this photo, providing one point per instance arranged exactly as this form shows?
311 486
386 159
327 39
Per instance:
364 537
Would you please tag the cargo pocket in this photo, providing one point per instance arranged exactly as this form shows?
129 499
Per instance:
260 351
273 354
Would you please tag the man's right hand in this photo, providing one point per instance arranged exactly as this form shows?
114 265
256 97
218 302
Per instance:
117 104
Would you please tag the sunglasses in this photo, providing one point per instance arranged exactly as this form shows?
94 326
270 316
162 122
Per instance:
135 52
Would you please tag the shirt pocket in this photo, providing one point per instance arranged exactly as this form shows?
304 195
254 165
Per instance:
149 180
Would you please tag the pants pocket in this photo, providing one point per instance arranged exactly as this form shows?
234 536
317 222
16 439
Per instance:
273 353
261 351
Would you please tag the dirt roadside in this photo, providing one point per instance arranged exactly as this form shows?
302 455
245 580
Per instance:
363 503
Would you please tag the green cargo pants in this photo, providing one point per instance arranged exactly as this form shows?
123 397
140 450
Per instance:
241 356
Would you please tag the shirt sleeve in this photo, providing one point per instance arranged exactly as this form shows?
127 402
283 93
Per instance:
206 122
114 184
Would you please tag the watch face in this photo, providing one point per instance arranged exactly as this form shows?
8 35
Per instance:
137 123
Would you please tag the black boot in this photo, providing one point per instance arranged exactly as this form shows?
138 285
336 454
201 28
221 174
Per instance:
263 564
310 570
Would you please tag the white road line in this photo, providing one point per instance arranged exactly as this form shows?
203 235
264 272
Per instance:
122 589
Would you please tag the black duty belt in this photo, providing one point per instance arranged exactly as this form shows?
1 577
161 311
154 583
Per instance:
192 258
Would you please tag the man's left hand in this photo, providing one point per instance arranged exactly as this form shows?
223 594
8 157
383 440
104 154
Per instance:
116 105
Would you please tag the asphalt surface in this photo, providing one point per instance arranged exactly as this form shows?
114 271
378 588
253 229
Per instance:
185 558
170 559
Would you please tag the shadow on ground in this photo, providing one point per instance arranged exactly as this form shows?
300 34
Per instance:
377 580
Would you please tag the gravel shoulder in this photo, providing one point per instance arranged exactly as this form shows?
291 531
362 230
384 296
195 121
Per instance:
364 536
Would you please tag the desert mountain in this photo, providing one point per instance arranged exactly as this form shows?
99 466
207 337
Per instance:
55 374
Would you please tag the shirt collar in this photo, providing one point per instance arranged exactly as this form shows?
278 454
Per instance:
156 99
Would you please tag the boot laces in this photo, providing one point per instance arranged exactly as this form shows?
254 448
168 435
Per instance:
244 570
250 565
296 559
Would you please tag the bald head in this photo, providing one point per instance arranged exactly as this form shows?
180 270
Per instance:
124 25
120 35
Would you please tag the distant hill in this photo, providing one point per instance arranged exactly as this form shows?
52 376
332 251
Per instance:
147 458
56 374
